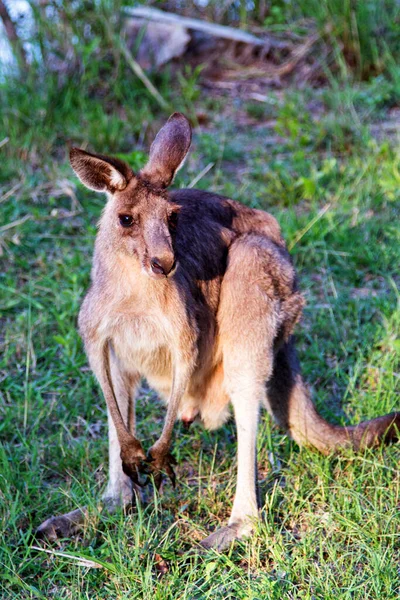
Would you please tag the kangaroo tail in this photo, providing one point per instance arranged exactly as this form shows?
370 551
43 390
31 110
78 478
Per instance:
291 405
307 427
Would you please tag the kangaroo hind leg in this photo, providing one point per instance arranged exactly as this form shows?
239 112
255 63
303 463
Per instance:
248 326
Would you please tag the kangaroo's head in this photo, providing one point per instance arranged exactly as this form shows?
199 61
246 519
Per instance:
139 220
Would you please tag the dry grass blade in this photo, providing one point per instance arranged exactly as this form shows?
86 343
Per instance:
82 561
311 224
14 223
200 175
137 69
134 66
6 235
11 191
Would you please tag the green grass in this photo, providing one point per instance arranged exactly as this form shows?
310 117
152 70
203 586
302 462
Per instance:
330 525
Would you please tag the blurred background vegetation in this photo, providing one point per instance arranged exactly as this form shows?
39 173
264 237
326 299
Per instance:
71 80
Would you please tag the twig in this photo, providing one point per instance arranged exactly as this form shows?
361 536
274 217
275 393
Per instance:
238 72
262 98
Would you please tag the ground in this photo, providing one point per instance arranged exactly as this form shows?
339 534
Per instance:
326 166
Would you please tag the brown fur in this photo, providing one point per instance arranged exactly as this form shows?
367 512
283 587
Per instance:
198 295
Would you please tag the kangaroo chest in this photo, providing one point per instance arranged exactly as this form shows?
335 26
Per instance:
142 323
142 344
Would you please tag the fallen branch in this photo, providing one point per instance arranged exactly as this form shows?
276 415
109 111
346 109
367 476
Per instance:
221 31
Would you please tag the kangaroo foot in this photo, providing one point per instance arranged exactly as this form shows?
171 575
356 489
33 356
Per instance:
67 525
63 526
223 537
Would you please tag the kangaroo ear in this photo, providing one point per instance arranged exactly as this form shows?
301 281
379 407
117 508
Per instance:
168 151
100 173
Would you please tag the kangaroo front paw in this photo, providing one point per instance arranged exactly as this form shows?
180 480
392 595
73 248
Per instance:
133 461
63 526
159 463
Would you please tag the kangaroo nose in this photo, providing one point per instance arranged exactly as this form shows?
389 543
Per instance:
160 267
157 267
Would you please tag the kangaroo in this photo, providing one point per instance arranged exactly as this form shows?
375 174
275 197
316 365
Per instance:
196 293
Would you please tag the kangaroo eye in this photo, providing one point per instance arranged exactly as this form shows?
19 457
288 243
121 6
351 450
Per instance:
126 220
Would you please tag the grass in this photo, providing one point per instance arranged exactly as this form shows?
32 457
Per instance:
330 525
318 160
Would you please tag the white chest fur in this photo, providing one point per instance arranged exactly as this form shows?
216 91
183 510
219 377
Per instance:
141 343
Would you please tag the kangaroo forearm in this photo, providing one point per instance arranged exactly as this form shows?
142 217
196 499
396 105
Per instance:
98 354
178 389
